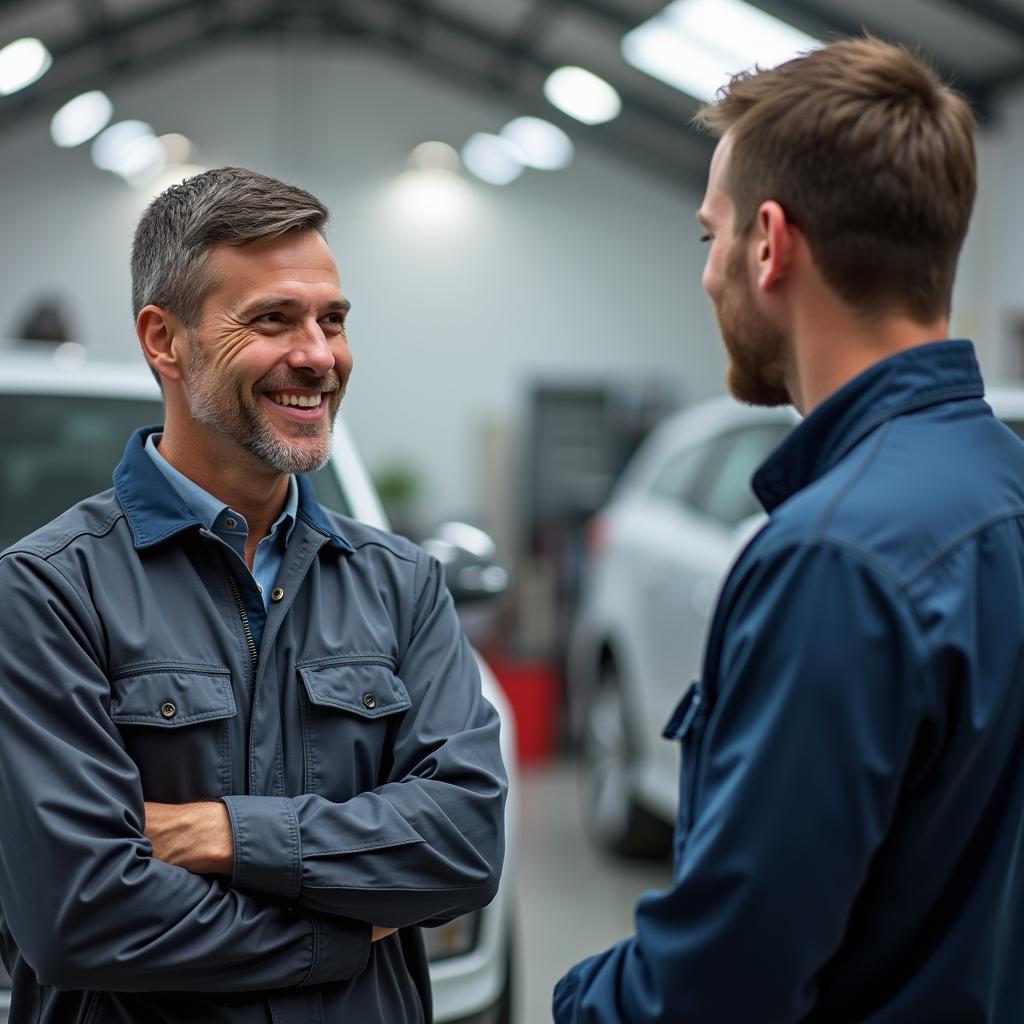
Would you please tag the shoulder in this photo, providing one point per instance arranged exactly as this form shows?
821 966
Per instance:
371 541
911 491
91 519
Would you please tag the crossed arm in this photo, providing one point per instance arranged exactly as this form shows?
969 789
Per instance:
187 905
197 837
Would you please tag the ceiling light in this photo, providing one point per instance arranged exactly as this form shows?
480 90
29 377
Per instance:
21 63
80 119
542 144
492 158
177 148
130 149
696 46
431 198
582 95
434 156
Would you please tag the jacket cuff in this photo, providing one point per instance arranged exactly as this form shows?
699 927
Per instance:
268 850
341 949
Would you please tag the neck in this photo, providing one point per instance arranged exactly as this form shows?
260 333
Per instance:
232 475
831 347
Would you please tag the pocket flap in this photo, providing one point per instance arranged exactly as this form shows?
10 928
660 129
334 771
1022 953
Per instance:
369 689
685 713
171 697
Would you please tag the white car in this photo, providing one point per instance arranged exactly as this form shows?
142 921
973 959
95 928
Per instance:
658 554
63 430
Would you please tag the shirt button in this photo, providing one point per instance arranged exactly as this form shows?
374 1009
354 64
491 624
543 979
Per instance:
168 710
276 594
230 523
369 701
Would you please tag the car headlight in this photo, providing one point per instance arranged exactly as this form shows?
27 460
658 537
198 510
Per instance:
452 939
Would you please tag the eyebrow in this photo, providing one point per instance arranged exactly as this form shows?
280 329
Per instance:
701 219
265 305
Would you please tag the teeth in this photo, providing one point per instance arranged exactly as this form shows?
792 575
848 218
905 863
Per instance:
302 401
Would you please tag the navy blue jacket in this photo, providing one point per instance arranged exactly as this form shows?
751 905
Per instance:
357 758
851 836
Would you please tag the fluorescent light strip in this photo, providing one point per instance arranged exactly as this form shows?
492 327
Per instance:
697 45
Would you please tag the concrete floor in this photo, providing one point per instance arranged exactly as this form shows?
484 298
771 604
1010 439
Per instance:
573 901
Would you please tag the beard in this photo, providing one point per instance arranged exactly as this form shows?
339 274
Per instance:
219 401
758 350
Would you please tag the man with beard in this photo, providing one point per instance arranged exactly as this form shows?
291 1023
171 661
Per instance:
852 797
242 739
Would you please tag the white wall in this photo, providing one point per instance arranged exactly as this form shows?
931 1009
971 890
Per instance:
591 272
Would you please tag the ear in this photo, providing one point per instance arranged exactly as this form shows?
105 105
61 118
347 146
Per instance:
162 337
774 244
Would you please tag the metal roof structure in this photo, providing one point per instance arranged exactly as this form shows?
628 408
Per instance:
504 48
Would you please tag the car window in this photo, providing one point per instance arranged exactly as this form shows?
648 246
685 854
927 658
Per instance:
56 450
677 474
721 490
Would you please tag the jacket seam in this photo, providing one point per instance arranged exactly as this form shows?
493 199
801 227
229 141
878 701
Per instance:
86 604
362 848
397 889
962 539
374 543
48 552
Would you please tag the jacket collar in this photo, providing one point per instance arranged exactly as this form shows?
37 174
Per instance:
155 510
925 375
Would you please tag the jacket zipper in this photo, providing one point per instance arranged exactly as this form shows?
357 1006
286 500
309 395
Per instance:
254 654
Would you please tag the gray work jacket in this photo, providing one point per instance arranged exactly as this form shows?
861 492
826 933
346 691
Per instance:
354 751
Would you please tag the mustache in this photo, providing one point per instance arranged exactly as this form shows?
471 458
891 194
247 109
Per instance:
328 382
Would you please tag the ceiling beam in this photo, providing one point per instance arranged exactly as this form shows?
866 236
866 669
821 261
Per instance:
624 138
998 15
614 137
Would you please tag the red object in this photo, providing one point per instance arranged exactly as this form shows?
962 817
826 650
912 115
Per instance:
531 687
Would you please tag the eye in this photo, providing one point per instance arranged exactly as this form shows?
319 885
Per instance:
706 238
270 318
336 320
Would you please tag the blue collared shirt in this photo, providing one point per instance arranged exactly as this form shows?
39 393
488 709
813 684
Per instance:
230 526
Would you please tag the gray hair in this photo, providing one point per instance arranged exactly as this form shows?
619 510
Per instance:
229 205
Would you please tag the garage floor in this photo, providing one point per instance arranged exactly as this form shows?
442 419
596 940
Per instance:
573 901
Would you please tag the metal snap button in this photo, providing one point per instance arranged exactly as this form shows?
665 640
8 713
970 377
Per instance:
276 594
230 523
369 701
168 710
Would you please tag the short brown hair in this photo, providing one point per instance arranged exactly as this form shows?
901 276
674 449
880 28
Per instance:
872 158
228 204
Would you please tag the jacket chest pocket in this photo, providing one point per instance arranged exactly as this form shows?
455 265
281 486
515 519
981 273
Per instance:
175 724
350 709
687 726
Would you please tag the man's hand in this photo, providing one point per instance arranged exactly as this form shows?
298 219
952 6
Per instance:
196 836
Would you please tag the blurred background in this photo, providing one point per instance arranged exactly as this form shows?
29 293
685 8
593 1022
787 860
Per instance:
512 186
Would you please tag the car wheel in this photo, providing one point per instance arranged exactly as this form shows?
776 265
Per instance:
614 818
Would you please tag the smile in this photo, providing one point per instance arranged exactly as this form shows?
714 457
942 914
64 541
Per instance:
291 398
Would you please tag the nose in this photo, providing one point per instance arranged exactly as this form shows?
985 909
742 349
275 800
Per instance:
312 351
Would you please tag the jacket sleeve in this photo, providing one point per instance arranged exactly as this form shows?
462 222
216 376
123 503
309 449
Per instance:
822 686
425 846
88 905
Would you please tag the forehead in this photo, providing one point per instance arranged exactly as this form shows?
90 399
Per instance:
296 260
717 205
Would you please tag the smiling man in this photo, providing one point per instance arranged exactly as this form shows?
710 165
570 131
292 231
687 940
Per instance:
242 741
848 845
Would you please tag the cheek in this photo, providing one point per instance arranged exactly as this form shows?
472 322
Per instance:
343 360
